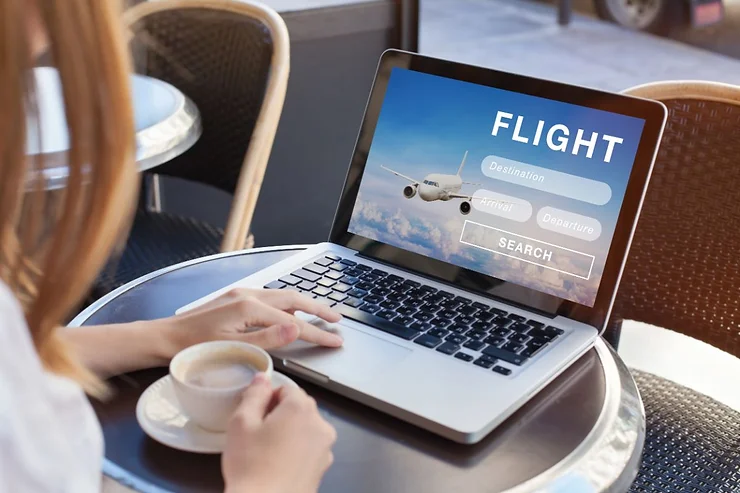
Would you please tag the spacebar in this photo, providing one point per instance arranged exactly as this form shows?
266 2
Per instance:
376 322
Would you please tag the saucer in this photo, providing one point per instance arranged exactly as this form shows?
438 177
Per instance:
160 416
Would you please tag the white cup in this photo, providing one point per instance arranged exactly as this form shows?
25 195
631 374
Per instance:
212 407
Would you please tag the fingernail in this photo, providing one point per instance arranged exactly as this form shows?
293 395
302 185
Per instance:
338 339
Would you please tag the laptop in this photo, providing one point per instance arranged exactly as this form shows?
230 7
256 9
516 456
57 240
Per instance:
478 243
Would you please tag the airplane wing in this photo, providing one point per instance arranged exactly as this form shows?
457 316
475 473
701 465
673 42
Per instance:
402 176
470 183
460 196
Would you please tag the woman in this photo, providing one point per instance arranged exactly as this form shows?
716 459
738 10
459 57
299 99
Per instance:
50 253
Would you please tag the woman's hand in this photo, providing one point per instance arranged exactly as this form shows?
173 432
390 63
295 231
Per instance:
277 442
263 317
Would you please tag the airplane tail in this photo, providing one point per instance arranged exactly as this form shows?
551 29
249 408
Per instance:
462 164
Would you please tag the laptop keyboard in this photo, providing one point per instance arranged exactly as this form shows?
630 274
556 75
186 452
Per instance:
452 325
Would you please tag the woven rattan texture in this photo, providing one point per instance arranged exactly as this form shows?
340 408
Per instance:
683 270
220 60
158 240
692 443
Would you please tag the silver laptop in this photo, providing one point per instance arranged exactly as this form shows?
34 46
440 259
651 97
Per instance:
478 243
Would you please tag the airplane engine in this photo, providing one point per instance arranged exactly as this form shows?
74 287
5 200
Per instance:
409 191
465 208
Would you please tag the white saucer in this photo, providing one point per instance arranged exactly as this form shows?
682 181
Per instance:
160 416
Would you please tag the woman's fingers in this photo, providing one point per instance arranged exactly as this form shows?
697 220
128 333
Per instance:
293 301
274 336
262 314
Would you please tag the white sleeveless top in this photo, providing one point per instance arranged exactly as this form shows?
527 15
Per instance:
50 439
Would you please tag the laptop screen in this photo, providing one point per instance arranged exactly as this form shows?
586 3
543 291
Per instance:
514 186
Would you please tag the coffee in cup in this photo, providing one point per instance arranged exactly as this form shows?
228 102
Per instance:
209 379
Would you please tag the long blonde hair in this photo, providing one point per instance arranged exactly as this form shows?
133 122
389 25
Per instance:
52 250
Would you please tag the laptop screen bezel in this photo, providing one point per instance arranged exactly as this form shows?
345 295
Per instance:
652 112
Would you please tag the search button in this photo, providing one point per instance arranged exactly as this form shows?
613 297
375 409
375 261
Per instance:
569 223
547 180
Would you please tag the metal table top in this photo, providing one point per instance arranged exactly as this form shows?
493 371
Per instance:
167 124
583 433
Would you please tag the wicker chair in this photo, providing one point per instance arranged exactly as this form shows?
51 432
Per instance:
232 59
683 274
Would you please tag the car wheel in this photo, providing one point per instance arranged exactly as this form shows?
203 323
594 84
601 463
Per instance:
656 16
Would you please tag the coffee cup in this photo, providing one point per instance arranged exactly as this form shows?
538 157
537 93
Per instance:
210 378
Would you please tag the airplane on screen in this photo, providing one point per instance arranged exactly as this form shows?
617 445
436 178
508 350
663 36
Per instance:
436 186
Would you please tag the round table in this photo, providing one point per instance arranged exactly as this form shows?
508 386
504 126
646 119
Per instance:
583 433
167 124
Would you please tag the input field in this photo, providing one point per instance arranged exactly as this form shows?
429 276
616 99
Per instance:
528 250
547 180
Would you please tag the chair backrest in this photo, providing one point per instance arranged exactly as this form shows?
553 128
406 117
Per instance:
683 270
231 58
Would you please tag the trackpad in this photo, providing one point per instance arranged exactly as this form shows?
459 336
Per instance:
361 357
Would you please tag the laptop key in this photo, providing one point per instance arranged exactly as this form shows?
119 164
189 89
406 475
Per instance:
341 287
379 272
553 330
335 258
456 338
353 302
427 340
516 318
420 326
327 283
275 285
498 332
512 346
386 314
429 308
423 316
357 293
500 369
484 316
464 320
520 327
463 301
413 303
480 306
373 299
494 341
520 338
436 332
395 278
370 277
413 284
364 267
290 280
338 267
497 311
405 310
483 363
474 345
353 272
535 324
322 291
464 356
502 354
334 275
446 294
533 348
364 285
540 334
483 326
390 305
381 291
306 275
348 262
467 309
348 279
306 286
316 269
324 262
476 334
369 308
447 314
404 320
338 297
398 297
448 348
441 323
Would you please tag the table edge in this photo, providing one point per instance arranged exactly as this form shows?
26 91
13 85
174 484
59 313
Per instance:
617 437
